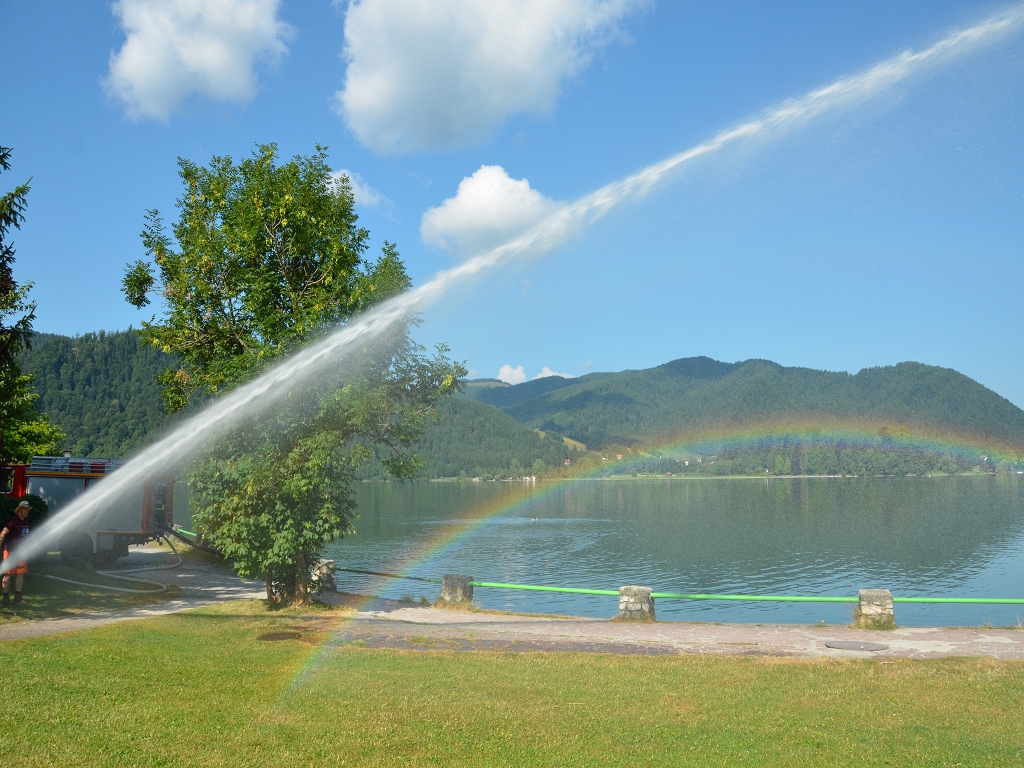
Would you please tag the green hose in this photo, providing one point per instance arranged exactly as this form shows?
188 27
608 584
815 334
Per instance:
763 598
532 588
978 600
705 596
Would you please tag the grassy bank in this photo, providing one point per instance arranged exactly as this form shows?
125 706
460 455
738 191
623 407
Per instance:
198 688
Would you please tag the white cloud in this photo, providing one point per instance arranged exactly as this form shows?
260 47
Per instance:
175 48
364 194
511 375
545 372
488 209
433 74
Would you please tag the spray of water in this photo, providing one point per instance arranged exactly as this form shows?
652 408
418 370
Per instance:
325 356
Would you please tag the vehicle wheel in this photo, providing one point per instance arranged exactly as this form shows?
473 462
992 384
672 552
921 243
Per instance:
75 549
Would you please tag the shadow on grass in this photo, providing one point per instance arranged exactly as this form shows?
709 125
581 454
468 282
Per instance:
48 599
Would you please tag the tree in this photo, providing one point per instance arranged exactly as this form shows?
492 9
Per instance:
24 431
269 256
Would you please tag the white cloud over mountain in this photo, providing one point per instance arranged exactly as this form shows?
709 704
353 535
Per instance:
176 48
511 375
545 372
517 375
488 209
434 74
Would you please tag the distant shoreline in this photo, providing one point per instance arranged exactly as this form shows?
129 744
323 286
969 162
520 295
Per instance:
685 477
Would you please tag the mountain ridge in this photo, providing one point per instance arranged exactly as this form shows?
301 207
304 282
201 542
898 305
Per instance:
100 387
636 406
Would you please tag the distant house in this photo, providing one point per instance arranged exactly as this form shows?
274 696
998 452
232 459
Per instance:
568 461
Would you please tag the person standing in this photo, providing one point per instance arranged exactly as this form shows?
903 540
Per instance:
10 537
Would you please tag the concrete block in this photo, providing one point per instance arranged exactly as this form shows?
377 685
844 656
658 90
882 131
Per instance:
455 588
323 578
874 609
636 603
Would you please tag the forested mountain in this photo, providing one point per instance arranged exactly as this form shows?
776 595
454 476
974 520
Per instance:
100 388
641 407
477 440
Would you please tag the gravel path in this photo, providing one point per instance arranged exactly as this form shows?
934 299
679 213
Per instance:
397 625
201 584
389 624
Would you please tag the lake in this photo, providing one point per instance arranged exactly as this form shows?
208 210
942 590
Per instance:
944 536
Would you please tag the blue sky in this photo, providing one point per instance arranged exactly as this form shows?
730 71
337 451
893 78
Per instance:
889 227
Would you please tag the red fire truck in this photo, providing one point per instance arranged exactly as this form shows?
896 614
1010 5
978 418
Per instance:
136 518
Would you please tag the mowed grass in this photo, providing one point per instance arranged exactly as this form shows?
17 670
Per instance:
198 688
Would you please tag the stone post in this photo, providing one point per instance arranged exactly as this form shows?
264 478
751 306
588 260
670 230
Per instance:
455 588
874 610
323 576
636 604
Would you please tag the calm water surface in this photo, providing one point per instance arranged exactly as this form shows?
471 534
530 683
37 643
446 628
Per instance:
937 536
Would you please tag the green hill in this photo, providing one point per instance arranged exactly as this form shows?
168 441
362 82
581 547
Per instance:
643 407
100 388
477 440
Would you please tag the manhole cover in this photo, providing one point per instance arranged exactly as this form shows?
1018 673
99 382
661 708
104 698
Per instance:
855 645
274 636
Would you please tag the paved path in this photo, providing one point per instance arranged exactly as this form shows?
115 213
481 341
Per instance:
200 583
390 624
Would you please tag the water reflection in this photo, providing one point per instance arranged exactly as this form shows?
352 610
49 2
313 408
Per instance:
960 536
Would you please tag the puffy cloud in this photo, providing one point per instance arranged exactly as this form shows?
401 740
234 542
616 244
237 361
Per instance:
178 47
511 375
433 74
488 209
517 375
545 372
364 194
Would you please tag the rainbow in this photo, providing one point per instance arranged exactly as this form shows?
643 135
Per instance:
708 441
781 434
805 432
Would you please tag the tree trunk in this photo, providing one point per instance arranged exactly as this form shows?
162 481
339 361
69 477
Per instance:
270 584
301 596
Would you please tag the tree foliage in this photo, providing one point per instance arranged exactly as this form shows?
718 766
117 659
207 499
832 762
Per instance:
23 430
268 255
265 257
16 311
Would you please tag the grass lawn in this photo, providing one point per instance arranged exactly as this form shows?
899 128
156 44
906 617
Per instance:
198 688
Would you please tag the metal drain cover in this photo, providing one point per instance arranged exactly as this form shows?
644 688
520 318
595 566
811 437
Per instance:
274 636
855 645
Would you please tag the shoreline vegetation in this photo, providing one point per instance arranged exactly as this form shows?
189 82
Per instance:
570 478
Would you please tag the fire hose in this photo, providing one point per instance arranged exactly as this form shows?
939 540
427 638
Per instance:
116 575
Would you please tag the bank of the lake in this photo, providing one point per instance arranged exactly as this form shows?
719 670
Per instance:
960 535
